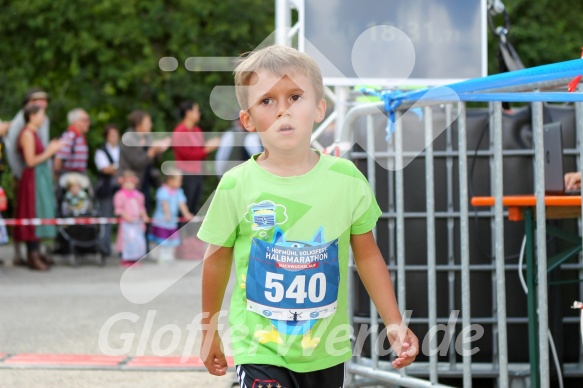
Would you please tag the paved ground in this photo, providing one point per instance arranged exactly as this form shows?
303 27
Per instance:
84 311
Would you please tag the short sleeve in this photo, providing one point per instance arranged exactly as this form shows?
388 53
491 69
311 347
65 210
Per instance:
118 203
101 160
366 209
65 151
181 196
162 195
221 222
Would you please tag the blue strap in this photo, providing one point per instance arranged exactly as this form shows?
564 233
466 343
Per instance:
392 100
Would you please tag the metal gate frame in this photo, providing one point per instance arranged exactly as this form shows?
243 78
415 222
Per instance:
515 86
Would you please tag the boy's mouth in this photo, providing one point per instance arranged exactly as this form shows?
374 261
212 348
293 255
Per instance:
285 128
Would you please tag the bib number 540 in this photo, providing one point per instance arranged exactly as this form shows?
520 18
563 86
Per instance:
275 288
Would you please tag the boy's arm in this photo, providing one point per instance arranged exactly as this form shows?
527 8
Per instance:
216 270
377 281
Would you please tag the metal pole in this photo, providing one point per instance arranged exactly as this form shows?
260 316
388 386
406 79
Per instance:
400 207
499 219
450 230
430 209
371 176
400 202
541 242
579 129
340 107
464 235
282 22
393 378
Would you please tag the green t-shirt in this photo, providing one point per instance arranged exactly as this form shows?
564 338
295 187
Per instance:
290 238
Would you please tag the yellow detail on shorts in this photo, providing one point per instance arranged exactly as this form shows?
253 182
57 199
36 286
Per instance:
243 284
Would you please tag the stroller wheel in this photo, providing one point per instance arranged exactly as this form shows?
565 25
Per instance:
102 259
73 260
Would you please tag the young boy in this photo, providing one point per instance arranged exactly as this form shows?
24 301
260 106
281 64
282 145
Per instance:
288 216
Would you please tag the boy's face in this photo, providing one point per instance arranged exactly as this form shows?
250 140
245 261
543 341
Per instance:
283 110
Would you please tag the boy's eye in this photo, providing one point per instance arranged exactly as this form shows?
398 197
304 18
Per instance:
265 101
295 97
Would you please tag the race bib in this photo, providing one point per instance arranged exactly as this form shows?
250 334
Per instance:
290 283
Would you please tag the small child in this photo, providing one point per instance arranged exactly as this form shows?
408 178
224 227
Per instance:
287 219
76 200
129 204
170 202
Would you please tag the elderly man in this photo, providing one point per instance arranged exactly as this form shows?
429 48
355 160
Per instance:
73 155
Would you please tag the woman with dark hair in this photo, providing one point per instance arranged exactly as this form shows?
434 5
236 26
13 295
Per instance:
190 149
140 152
36 178
107 163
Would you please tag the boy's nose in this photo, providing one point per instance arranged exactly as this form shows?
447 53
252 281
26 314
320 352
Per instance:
283 108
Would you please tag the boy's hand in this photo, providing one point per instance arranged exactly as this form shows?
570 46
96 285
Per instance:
212 355
405 345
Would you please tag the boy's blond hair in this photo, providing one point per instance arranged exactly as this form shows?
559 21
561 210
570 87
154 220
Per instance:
280 60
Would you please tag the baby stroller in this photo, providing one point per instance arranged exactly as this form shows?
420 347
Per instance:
76 241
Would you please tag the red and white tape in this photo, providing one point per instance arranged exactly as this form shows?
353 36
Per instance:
74 221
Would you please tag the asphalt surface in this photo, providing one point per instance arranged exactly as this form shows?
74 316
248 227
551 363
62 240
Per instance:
92 310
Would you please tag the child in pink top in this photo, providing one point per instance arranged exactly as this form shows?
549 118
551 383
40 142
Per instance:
129 204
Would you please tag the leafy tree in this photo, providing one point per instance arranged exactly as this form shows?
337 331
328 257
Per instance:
103 55
542 31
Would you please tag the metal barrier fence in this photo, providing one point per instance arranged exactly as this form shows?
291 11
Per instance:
450 105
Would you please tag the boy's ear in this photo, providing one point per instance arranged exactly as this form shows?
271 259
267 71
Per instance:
320 110
247 121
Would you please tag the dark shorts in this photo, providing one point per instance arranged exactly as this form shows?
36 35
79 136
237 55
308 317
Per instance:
269 376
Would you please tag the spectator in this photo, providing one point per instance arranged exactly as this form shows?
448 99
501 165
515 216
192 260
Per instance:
129 205
34 96
170 203
35 179
73 155
76 201
139 152
3 200
3 130
107 163
189 149
232 152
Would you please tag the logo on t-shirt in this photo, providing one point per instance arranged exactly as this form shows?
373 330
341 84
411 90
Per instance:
266 215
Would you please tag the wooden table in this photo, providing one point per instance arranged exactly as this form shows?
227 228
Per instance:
523 208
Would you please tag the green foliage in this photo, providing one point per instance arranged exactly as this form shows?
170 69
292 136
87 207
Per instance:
103 55
542 31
